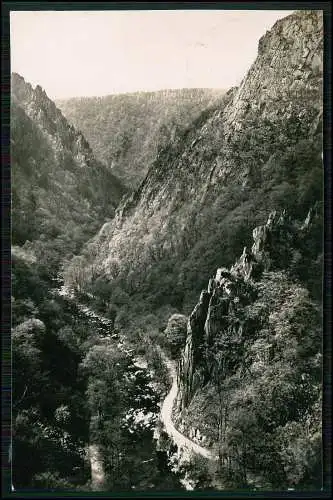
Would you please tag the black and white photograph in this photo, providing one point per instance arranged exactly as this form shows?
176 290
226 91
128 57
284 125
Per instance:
167 250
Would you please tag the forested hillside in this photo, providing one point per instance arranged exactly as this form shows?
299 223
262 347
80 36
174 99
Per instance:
216 180
50 418
60 193
126 131
65 401
224 189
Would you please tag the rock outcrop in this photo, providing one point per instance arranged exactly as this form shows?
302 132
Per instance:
291 56
252 359
220 309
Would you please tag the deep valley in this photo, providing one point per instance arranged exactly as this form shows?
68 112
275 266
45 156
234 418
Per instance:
167 281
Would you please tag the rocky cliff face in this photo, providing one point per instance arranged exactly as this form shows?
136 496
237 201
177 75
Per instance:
58 186
260 150
49 119
249 374
287 71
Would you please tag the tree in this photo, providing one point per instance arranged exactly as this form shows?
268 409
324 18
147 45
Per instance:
176 333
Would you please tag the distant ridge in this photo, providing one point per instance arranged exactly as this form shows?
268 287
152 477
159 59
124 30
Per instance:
127 130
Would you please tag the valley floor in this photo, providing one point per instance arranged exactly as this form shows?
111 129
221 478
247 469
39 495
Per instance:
185 445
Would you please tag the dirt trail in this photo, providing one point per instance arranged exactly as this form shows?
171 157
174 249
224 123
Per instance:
97 469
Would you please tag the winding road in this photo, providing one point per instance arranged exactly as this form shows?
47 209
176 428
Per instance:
166 416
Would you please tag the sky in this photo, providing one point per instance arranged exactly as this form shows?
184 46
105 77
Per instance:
96 53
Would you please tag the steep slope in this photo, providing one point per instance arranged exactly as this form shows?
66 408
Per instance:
60 192
219 178
126 131
250 373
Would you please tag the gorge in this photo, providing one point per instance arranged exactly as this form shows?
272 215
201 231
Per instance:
167 296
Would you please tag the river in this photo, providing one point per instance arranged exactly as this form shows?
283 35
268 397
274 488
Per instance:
185 445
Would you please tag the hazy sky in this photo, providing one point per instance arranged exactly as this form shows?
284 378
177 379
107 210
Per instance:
95 53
